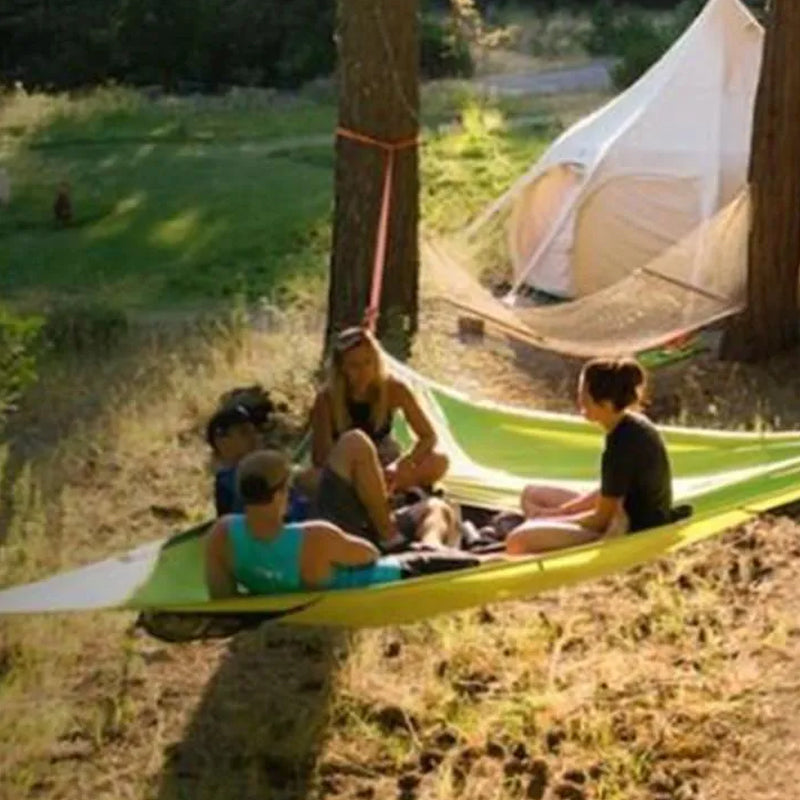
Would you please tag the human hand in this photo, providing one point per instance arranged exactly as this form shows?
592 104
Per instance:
390 476
394 540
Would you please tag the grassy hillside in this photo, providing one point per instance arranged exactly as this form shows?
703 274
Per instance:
188 202
173 205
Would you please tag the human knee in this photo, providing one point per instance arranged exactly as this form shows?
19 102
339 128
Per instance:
355 445
531 495
533 500
441 507
517 543
436 509
440 465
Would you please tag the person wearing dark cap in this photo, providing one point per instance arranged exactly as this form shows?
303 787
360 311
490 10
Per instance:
231 434
260 552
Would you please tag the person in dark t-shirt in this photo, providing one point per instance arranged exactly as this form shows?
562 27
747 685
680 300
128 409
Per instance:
635 490
635 467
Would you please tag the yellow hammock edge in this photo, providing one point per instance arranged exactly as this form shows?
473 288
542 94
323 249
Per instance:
411 601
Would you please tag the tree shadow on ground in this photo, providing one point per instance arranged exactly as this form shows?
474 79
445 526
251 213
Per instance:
258 730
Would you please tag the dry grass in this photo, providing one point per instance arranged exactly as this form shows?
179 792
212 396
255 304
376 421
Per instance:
627 688
631 687
108 454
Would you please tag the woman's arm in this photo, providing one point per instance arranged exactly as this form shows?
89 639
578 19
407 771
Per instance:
599 518
584 502
321 429
219 572
417 420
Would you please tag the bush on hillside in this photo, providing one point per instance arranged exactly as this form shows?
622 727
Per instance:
639 44
602 38
444 50
179 45
634 37
18 339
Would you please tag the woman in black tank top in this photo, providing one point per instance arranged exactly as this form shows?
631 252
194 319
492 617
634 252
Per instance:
360 395
361 418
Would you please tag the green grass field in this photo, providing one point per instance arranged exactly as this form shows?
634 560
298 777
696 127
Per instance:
188 203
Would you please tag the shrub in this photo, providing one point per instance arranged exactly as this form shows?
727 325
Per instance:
602 37
635 37
444 51
18 340
640 44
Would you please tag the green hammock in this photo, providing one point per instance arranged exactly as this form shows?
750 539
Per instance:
728 477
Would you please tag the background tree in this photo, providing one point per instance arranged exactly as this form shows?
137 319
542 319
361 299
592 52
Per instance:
378 47
770 322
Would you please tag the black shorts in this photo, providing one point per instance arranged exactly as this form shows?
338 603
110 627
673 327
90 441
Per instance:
416 563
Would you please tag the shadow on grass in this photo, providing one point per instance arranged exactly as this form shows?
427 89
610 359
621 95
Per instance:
259 729
162 225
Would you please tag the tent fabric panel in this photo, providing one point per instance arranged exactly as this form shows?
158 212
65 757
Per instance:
627 222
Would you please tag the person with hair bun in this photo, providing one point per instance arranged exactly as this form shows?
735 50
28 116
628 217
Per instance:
635 490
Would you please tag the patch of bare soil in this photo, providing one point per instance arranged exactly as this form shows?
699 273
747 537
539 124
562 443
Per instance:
673 682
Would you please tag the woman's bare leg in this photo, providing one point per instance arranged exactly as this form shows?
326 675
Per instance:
537 497
434 522
544 537
437 525
355 459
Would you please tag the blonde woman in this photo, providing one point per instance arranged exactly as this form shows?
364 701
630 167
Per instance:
360 395
358 463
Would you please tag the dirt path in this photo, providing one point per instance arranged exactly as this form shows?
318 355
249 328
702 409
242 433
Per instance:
594 76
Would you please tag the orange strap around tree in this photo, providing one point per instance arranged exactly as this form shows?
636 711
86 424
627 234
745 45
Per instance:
390 148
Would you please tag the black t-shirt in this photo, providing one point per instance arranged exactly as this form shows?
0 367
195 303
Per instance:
226 498
635 467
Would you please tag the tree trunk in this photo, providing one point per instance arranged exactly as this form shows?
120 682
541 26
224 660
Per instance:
770 322
378 47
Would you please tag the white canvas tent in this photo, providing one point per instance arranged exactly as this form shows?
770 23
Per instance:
630 181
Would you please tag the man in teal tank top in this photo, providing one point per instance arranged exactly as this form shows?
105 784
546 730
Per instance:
259 553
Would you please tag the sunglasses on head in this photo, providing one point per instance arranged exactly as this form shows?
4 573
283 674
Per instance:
350 338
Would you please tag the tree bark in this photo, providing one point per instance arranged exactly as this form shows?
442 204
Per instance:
378 48
769 324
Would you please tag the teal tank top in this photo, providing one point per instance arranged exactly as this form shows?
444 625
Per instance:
273 566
